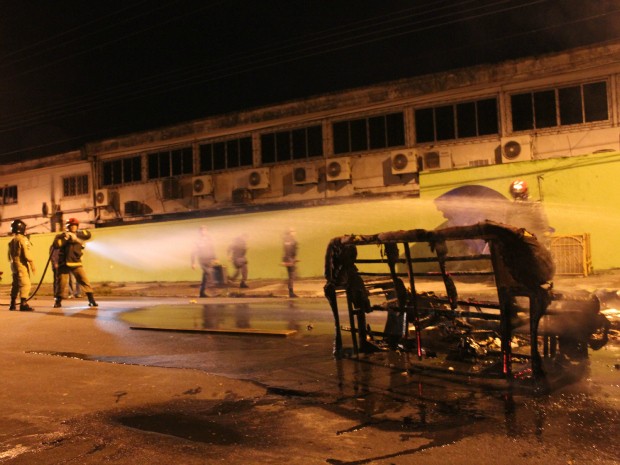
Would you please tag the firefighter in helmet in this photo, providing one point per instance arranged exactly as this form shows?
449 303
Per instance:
527 214
518 190
22 265
70 247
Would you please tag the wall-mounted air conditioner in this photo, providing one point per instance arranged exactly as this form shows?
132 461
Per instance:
403 162
338 170
305 175
102 198
258 178
171 189
202 185
518 148
436 160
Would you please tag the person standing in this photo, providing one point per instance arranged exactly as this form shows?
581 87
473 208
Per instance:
528 214
22 264
70 246
203 255
289 258
237 252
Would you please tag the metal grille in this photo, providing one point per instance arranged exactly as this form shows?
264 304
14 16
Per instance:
572 255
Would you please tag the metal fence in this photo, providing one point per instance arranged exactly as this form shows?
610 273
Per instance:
572 254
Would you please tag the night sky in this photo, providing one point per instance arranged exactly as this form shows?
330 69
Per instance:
76 71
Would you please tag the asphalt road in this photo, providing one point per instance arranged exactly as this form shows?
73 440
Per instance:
81 386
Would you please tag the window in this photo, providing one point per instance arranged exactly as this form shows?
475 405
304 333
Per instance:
580 104
457 121
8 195
297 144
228 154
121 170
75 185
376 132
170 163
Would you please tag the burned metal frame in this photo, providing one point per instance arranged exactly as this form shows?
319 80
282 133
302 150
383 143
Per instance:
520 265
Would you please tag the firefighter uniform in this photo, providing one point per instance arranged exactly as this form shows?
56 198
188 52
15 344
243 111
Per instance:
70 246
21 262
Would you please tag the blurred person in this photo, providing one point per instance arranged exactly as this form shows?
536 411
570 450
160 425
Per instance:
289 258
75 290
70 248
237 252
203 255
527 214
22 265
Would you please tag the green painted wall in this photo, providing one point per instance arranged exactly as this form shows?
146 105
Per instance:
579 195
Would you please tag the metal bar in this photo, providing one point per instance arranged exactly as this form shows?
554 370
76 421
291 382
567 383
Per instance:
416 315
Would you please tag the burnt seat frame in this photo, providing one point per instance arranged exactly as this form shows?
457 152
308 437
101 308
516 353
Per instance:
520 267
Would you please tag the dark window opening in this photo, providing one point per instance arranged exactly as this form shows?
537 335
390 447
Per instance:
297 144
457 121
233 153
376 132
8 195
121 171
75 185
580 104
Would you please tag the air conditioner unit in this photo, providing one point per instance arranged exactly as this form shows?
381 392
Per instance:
305 175
202 185
403 162
102 198
516 149
258 179
171 189
436 160
338 170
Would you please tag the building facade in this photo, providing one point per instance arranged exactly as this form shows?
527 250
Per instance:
367 142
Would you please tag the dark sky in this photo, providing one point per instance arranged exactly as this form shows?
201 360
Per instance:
74 71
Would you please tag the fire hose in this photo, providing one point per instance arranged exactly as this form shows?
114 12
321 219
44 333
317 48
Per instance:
49 259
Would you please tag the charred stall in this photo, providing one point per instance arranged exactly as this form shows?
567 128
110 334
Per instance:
519 268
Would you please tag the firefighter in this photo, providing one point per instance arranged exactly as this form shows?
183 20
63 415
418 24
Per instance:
21 266
70 246
528 214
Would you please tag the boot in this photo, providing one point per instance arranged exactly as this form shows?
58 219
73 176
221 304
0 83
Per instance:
13 305
91 300
58 302
291 294
243 285
24 307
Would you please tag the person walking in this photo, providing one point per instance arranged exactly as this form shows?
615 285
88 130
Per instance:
70 246
289 258
203 255
237 252
22 265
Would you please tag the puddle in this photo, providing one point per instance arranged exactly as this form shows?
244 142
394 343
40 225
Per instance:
193 428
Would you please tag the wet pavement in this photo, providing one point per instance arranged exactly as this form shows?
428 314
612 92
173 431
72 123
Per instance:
89 386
